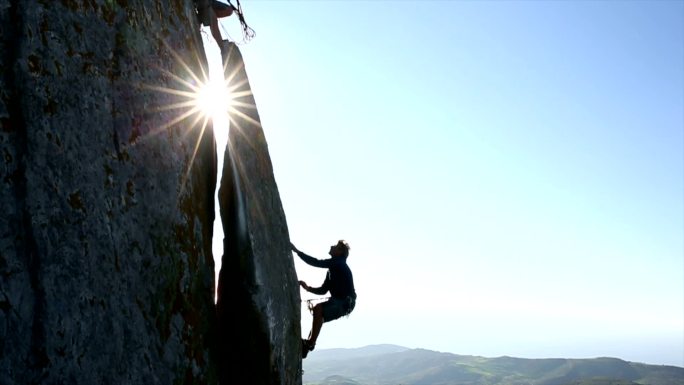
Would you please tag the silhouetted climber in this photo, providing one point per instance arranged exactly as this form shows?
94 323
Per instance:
339 282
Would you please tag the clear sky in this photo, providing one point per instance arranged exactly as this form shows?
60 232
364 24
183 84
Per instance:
509 175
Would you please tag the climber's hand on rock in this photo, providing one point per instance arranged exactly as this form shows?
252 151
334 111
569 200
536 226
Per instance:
294 248
304 285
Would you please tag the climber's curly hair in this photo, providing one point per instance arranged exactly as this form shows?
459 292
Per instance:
344 246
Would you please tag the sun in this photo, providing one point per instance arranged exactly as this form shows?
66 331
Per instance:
205 99
213 99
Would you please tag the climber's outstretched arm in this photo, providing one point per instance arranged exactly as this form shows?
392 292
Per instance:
311 260
315 290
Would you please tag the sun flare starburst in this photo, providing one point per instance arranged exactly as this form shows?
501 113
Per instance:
213 99
196 99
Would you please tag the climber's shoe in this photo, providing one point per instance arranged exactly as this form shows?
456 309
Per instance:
307 346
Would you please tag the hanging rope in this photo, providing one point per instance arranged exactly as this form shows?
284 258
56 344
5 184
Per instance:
247 31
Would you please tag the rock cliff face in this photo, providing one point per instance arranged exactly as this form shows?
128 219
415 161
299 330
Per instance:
105 234
258 294
106 199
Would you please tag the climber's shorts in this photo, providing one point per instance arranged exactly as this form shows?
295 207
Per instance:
335 308
219 5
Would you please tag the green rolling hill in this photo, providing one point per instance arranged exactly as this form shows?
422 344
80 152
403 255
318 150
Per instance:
395 365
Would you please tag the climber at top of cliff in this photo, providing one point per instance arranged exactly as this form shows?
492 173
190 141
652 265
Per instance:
209 11
220 10
338 281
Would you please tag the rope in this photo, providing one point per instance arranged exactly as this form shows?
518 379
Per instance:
225 31
247 31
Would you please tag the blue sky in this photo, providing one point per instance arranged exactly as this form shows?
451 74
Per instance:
509 175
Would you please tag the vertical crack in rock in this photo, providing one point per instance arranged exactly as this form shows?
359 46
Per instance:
24 247
258 302
19 260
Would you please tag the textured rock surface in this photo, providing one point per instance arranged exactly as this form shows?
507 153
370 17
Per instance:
106 275
258 295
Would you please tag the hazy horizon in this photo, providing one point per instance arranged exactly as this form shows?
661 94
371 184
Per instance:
509 175
380 345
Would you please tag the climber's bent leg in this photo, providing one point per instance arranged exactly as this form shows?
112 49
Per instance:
316 325
218 10
214 27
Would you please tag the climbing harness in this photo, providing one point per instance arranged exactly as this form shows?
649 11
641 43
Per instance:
310 303
351 303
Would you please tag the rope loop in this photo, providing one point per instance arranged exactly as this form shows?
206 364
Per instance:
247 31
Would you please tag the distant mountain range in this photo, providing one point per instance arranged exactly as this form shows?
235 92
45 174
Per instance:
396 365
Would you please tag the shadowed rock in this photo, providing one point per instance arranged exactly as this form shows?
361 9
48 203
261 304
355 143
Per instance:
258 295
